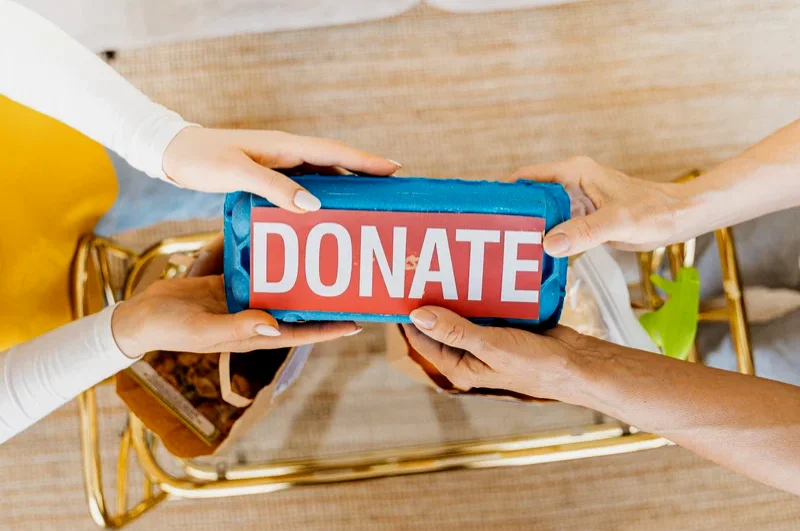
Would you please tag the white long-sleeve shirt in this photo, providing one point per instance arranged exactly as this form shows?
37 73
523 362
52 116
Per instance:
41 375
43 68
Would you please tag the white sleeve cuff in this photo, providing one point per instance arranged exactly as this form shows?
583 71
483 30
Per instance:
45 373
148 141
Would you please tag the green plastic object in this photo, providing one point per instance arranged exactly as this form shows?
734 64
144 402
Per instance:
673 326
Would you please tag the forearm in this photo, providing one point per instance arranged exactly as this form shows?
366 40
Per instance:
763 179
45 373
748 424
44 69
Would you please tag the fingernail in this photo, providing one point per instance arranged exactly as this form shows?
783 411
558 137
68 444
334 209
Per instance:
423 319
395 163
556 244
267 330
354 332
306 201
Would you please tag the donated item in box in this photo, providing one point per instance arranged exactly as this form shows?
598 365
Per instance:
198 404
381 247
597 304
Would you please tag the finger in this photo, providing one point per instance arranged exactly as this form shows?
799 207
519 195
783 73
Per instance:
461 368
327 152
545 173
210 259
293 335
306 333
549 172
215 329
273 186
437 353
583 233
449 328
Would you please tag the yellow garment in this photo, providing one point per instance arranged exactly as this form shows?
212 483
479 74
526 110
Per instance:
56 183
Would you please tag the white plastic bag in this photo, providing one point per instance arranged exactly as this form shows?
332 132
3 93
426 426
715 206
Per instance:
597 302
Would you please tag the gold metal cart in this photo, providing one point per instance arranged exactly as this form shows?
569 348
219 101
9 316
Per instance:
96 272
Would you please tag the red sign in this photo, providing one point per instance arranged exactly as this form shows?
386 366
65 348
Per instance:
478 265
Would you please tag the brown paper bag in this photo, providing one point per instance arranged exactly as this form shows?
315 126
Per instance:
190 425
402 356
180 396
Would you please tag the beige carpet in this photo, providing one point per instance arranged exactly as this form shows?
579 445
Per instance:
650 87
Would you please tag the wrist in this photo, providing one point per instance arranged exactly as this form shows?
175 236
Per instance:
171 154
703 204
588 363
570 369
127 329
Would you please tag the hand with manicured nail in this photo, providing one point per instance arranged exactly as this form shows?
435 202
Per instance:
610 207
191 315
221 160
638 215
470 355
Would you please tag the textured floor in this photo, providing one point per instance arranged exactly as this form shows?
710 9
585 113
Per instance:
651 87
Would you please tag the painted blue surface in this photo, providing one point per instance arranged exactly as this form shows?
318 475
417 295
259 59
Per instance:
404 194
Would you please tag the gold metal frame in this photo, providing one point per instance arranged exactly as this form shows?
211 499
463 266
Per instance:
92 262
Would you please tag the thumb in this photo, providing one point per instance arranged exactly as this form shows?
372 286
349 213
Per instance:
582 233
548 172
224 328
274 186
450 329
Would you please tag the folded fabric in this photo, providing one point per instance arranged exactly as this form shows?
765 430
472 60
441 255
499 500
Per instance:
143 201
767 250
775 347
763 304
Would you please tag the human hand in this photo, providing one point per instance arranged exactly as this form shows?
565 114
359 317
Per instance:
747 424
473 356
611 207
227 160
191 315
